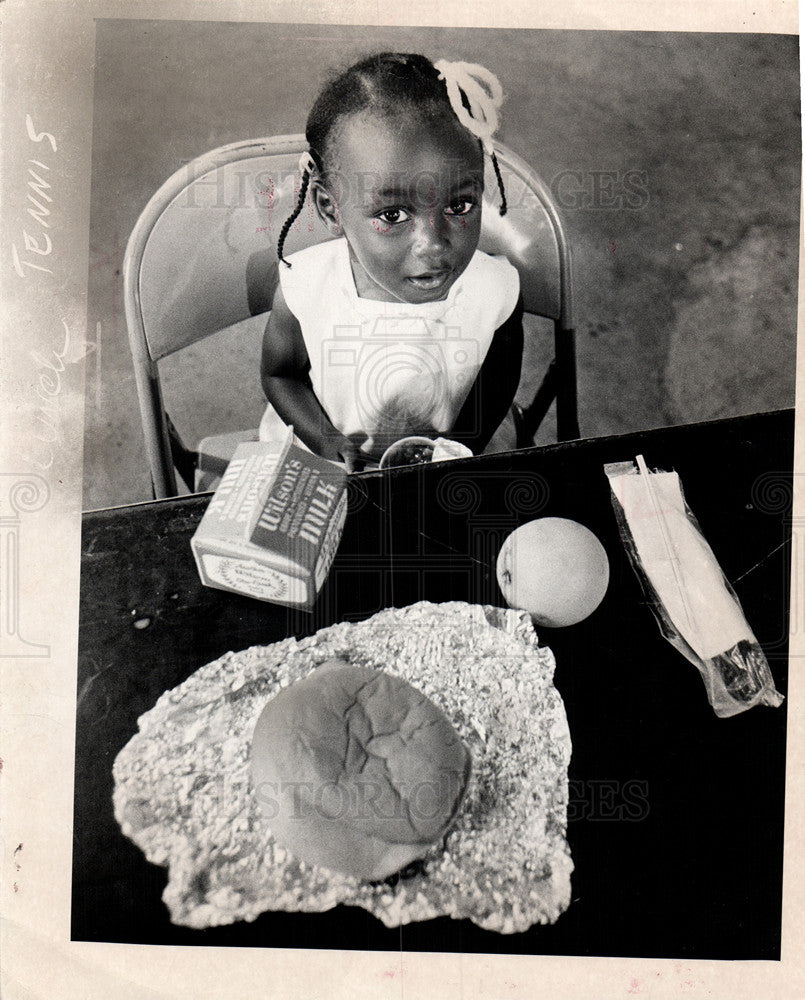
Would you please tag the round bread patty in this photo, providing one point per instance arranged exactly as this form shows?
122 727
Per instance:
356 770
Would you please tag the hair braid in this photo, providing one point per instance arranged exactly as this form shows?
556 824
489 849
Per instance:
496 165
300 201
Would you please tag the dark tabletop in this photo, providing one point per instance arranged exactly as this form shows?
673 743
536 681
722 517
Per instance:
676 817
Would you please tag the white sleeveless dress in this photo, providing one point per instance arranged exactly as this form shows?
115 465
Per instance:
384 370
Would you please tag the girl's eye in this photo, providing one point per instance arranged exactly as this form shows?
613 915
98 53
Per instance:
393 215
463 207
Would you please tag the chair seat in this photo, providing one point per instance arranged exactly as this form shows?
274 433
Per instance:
214 454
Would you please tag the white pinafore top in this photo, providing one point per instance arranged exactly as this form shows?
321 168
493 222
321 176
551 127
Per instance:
384 370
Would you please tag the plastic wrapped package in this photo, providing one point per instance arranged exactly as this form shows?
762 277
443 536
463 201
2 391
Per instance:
695 606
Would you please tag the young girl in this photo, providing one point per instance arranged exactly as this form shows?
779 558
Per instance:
400 325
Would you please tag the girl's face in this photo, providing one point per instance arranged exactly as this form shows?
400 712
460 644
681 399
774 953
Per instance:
407 197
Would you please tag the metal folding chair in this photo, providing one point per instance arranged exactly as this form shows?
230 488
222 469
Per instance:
202 258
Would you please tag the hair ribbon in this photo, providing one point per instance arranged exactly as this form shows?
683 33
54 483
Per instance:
307 165
483 92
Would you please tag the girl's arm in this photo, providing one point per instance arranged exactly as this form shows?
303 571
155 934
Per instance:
284 373
492 394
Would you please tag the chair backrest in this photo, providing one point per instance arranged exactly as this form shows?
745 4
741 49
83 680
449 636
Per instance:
202 255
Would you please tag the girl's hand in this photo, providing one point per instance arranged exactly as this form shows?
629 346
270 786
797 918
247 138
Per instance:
338 448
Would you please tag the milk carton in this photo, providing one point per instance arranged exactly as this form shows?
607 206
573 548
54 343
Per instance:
273 525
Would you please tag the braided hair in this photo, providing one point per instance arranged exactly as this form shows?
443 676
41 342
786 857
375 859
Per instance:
384 83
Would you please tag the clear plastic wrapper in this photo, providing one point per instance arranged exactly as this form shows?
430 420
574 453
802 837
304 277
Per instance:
695 606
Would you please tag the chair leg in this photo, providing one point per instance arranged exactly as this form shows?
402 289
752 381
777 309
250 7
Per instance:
185 460
567 416
518 416
527 420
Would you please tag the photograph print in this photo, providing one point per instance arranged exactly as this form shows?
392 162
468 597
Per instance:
519 306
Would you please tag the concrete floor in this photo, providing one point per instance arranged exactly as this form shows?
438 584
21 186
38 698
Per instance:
686 257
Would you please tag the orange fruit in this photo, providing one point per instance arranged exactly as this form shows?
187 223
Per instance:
555 569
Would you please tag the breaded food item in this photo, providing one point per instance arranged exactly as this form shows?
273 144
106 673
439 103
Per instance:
357 771
184 791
